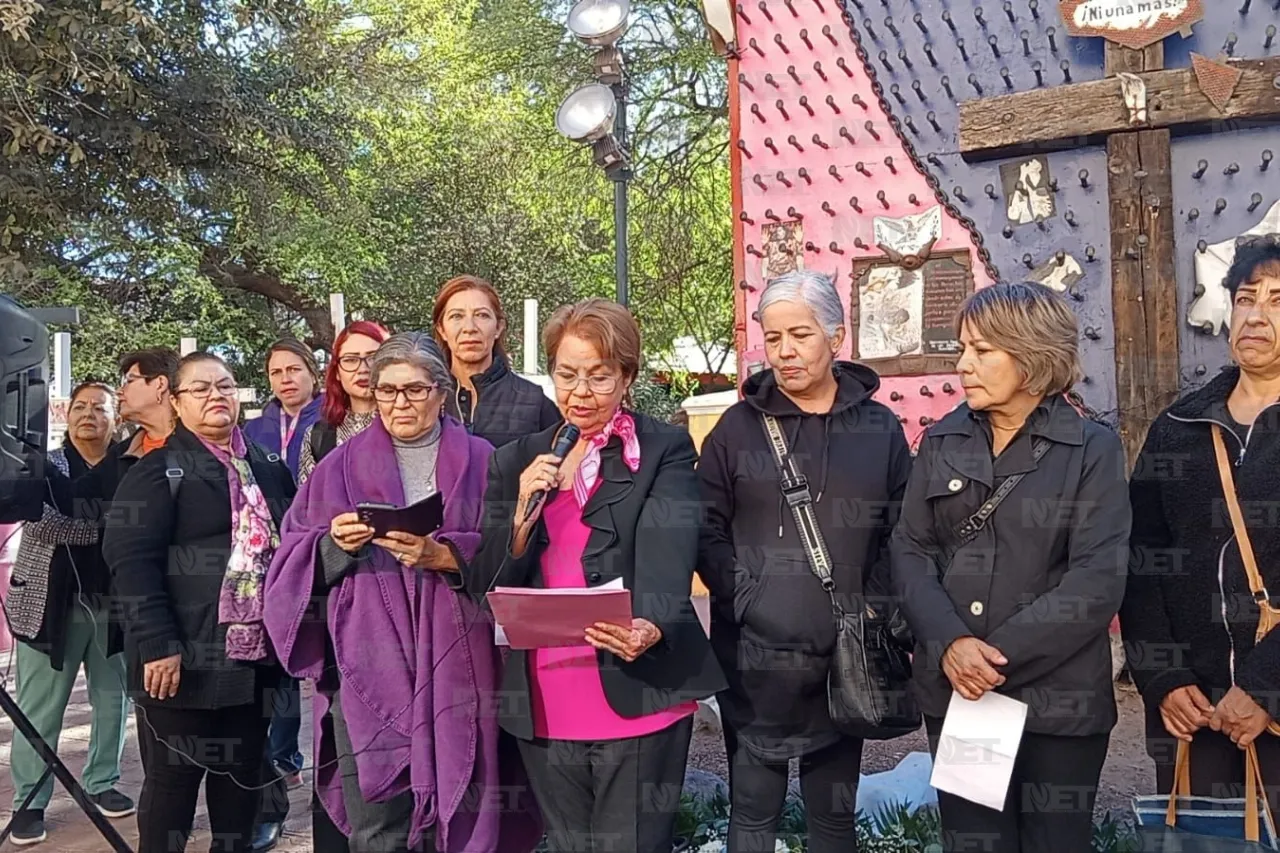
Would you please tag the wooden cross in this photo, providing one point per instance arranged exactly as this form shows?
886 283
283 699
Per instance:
1144 284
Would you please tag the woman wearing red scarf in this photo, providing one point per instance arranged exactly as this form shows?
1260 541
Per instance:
604 726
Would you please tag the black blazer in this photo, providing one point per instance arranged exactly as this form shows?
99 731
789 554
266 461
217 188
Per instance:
644 530
168 558
1043 578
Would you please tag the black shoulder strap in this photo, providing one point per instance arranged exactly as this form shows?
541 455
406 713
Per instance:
173 473
966 531
173 467
324 438
795 488
259 455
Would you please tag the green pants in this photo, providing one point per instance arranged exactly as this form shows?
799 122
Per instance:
43 693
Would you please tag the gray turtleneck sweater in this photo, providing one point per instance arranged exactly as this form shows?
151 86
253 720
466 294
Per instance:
417 461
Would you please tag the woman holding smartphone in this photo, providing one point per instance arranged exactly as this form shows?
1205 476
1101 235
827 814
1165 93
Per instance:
406 752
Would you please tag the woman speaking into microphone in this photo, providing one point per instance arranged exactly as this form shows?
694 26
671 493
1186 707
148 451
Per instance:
604 726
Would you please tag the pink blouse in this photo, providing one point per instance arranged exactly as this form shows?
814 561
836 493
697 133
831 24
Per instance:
568 696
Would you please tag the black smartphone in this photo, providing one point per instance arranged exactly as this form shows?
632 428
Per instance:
421 519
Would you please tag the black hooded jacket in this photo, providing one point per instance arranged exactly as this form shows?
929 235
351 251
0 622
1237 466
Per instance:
1188 615
771 623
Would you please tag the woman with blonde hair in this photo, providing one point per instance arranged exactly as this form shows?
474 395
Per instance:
1009 562
295 404
281 429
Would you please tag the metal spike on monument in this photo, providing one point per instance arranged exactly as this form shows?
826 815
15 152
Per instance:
1087 118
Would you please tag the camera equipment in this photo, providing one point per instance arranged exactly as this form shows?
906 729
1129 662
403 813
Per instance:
24 427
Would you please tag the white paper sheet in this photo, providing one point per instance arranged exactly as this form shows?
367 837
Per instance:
500 636
977 748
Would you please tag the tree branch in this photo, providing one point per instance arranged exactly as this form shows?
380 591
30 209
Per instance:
250 277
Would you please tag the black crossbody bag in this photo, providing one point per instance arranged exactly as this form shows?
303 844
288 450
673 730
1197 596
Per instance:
869 683
968 530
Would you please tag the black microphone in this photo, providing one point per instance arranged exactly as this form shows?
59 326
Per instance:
565 440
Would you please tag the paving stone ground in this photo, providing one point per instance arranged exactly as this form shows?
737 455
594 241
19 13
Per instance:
1128 772
71 832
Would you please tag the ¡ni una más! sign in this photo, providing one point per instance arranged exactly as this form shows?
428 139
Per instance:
1132 23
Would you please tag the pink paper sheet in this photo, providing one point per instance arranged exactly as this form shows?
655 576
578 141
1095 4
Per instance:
547 618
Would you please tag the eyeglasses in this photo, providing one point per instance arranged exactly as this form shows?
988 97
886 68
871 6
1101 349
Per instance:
202 390
130 378
413 393
352 363
599 383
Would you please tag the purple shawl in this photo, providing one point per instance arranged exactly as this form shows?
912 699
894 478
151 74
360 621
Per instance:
419 673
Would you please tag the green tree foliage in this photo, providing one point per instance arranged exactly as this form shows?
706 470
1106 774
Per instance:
124 120
216 169
135 134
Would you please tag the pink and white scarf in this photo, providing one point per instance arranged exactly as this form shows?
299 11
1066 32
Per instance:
254 540
621 425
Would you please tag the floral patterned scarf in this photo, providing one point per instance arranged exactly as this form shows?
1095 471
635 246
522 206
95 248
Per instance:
254 540
624 427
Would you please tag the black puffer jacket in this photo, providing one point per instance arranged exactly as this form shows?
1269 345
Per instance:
506 406
1188 616
771 623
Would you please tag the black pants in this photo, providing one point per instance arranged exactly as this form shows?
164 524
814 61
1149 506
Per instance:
610 796
1049 808
325 835
273 805
229 741
1217 764
828 784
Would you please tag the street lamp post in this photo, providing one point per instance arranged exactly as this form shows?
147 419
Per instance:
597 112
620 177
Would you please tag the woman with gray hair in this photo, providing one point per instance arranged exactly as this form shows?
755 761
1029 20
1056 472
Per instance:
1015 596
771 623
404 662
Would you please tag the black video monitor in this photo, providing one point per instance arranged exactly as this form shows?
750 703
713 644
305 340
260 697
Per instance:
24 410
